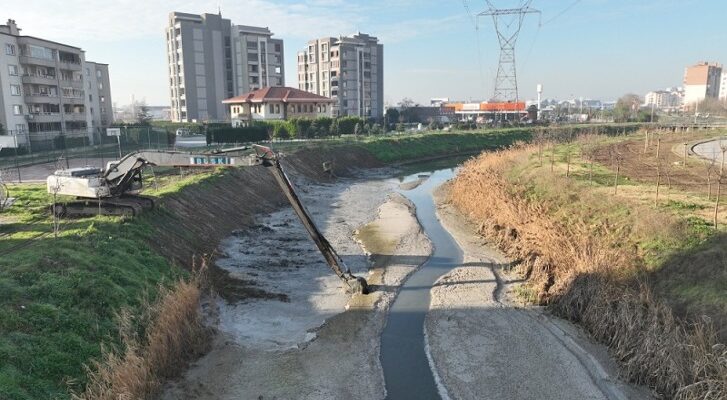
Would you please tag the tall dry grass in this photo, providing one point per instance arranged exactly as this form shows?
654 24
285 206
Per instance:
173 334
585 269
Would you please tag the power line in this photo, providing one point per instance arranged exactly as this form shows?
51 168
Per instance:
565 10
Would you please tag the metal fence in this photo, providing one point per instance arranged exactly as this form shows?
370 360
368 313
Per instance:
78 148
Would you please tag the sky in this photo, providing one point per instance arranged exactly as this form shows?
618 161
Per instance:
597 49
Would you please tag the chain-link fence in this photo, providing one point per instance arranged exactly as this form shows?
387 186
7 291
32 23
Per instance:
32 155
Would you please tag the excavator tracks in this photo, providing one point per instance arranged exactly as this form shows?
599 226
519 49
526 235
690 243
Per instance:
124 206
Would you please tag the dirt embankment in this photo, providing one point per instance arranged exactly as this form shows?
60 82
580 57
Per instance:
485 345
579 267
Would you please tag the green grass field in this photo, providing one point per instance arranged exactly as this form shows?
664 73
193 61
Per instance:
59 296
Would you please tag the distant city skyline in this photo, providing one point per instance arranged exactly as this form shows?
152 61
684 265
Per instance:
595 49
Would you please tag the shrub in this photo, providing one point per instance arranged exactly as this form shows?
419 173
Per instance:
347 125
247 134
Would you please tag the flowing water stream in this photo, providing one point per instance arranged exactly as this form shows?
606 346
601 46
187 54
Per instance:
404 355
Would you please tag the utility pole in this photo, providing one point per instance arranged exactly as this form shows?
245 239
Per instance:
540 93
507 22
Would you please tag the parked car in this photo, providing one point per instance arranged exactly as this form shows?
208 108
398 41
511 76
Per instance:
183 132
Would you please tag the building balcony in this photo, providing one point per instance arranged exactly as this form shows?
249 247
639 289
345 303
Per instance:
70 65
74 116
27 60
39 79
41 98
44 117
73 84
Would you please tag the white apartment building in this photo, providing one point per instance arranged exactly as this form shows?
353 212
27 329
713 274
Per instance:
47 90
667 100
211 59
723 86
350 70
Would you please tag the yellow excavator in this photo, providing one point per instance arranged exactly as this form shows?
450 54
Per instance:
115 191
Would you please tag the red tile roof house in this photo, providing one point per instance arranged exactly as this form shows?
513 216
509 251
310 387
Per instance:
277 103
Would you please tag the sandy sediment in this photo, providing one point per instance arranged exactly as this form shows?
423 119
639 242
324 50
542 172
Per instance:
310 340
484 346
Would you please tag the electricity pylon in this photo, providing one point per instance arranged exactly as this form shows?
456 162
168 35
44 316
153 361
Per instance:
507 34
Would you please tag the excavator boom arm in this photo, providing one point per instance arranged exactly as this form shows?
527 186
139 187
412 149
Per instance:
270 160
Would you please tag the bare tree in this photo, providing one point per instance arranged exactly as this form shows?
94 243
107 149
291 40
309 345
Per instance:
709 167
658 180
716 203
618 158
540 139
4 192
567 160
56 209
646 141
723 147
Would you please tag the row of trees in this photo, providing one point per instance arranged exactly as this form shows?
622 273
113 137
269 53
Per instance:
295 128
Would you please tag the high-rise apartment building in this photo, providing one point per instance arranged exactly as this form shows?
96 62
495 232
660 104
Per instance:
47 90
259 59
211 59
349 70
723 86
701 81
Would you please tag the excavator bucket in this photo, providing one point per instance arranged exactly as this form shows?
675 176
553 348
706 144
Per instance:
354 284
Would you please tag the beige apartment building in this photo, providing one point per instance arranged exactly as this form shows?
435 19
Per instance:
701 81
47 90
349 70
211 59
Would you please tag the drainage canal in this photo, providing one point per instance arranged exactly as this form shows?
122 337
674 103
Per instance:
404 356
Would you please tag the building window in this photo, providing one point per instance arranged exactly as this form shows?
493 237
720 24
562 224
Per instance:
9 49
15 90
90 97
270 108
103 99
277 47
277 108
20 128
17 109
12 70
277 70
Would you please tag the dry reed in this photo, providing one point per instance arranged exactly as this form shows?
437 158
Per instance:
173 334
581 267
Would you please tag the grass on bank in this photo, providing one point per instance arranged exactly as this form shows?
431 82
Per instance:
671 237
610 261
60 297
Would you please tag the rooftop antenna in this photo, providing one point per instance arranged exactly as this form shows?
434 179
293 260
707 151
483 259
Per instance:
507 22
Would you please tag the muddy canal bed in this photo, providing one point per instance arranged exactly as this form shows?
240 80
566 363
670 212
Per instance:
452 332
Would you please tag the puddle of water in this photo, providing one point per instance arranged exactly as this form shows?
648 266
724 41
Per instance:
407 371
